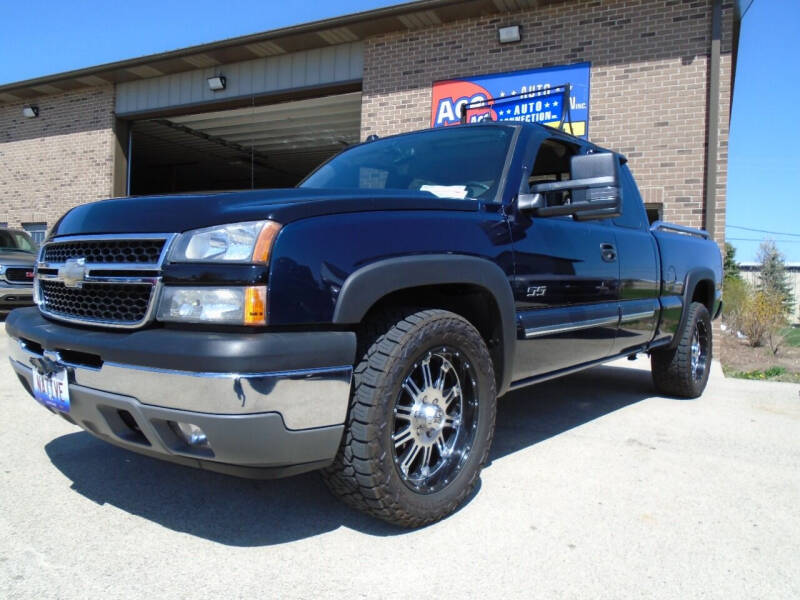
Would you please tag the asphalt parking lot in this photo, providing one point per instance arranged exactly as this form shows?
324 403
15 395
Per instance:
597 488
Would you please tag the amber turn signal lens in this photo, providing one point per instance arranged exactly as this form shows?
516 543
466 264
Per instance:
264 242
255 305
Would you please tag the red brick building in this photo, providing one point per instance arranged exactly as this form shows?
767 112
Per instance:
263 110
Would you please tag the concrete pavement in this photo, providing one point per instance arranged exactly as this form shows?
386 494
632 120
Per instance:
597 488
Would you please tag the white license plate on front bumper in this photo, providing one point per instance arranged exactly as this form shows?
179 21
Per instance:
52 390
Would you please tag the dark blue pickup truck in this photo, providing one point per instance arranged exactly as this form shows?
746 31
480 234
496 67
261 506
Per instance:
365 322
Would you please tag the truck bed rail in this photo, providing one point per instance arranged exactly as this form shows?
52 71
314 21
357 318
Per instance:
664 226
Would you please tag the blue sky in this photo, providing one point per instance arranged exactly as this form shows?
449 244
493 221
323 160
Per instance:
764 154
51 36
764 159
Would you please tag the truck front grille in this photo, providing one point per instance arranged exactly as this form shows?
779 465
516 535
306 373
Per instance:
106 251
104 280
119 303
20 274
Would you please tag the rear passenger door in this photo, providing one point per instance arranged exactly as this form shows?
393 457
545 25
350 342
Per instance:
638 264
565 280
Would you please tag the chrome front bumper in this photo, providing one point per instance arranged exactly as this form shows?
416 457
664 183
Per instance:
13 296
286 419
304 398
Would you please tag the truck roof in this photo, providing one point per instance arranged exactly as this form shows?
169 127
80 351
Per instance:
521 125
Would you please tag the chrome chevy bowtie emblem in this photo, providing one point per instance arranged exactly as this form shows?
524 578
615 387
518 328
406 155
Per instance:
73 272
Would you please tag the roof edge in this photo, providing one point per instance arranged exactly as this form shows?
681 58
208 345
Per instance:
309 27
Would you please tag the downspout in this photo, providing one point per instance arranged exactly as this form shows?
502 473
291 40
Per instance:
712 133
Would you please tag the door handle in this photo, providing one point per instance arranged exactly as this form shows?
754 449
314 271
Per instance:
608 252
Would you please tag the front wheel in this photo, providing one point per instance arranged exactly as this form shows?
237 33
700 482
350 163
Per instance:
421 418
683 371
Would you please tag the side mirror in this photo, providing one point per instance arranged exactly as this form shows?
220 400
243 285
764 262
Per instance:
531 201
594 189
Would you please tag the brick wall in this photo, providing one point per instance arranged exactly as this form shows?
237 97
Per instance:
649 80
649 83
57 160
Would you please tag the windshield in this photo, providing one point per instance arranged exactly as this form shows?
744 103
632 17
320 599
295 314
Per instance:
459 162
16 241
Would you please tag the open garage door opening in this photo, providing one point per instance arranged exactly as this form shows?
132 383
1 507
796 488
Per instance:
269 146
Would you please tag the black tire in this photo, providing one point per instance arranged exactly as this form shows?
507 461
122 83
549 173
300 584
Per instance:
368 473
674 371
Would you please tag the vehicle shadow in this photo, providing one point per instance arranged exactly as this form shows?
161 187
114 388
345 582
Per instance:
530 415
242 512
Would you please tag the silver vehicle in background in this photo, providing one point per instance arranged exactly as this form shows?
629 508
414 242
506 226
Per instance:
17 258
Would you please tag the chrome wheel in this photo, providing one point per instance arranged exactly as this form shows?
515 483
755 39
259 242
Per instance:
435 418
699 351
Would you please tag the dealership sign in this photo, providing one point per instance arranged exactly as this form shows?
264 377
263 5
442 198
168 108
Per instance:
534 96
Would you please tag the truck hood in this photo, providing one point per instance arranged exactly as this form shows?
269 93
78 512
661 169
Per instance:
16 259
177 213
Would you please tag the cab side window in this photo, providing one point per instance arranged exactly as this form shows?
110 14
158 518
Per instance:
553 164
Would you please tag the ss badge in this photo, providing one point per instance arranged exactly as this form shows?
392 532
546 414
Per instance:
537 290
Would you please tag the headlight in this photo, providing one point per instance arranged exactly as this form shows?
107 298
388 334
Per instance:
228 305
236 243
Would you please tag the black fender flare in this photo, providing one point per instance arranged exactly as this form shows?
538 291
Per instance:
367 285
691 280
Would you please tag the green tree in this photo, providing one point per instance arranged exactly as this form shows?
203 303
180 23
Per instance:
773 274
730 266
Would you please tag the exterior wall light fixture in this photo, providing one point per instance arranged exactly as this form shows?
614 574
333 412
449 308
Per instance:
509 34
29 111
216 83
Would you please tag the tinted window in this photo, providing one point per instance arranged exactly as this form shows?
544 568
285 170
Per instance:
451 163
15 240
654 212
553 164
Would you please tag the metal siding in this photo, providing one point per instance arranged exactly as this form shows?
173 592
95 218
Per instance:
327 67
271 76
284 67
299 75
245 77
174 87
197 87
164 92
258 77
356 60
343 62
313 65
151 96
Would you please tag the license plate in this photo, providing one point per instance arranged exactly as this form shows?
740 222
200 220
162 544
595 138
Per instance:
52 390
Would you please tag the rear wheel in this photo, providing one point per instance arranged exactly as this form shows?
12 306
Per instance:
683 371
421 418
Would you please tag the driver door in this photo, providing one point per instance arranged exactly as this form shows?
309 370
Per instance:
566 279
